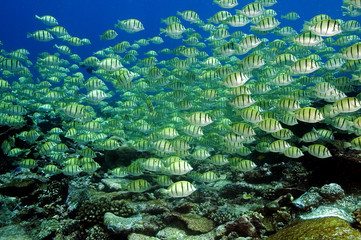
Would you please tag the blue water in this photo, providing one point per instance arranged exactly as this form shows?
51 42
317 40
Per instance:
90 18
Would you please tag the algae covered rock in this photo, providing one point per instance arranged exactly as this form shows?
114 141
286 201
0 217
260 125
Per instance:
48 228
11 232
330 228
195 222
328 211
137 236
246 225
309 199
120 224
332 192
171 233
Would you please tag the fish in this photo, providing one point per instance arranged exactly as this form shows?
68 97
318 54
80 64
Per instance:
179 189
226 3
178 167
317 150
324 28
138 186
189 15
130 25
109 35
291 16
47 19
41 36
293 152
71 170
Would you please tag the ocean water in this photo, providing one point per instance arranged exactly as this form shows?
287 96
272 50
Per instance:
89 19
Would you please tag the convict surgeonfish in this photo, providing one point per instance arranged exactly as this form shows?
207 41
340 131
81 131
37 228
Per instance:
179 189
231 90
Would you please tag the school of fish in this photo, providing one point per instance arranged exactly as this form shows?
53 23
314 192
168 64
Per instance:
210 101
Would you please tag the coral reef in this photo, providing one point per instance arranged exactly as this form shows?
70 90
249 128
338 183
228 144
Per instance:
92 212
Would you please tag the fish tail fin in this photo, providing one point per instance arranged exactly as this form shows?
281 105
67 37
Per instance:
307 26
304 149
164 191
29 35
347 145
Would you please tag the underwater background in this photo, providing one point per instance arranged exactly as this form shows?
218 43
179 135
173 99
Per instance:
90 19
153 138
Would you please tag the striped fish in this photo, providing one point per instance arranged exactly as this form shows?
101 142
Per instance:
180 189
110 64
325 28
130 25
139 185
41 35
293 152
179 167
318 150
71 170
235 79
11 65
109 35
200 119
252 10
75 110
309 115
47 19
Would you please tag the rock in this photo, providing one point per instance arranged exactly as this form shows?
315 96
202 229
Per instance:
136 236
48 228
328 211
171 233
115 184
77 194
329 228
195 222
356 215
332 192
120 224
19 187
12 232
246 225
309 199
